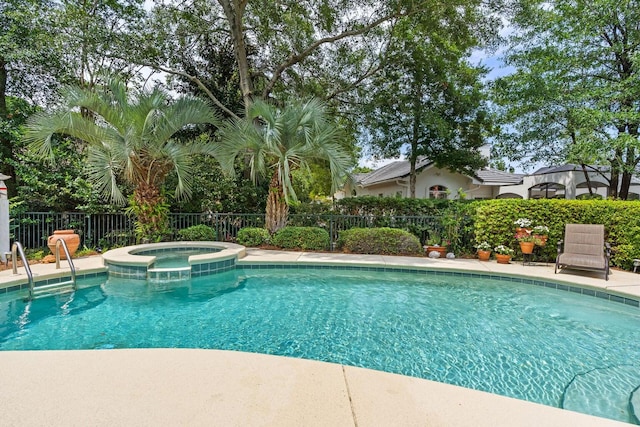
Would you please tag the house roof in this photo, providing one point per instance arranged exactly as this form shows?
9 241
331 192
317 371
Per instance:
494 176
401 169
390 172
569 167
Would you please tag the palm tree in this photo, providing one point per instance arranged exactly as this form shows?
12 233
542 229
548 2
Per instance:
275 142
129 138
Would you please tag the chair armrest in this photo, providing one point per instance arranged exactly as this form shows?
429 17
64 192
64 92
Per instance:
560 243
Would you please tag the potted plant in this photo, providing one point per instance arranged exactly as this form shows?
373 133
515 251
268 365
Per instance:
484 251
527 242
541 234
435 243
523 226
503 254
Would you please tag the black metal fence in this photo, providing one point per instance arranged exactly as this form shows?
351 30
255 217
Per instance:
109 230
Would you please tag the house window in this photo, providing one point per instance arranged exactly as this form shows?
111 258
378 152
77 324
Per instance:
438 192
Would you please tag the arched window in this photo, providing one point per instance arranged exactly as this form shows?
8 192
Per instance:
438 192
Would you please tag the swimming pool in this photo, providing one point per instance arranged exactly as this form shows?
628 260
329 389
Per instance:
524 341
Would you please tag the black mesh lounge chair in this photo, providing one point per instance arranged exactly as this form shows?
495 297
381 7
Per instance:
584 248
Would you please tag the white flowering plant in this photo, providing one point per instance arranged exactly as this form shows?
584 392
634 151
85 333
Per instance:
540 229
483 246
503 250
523 222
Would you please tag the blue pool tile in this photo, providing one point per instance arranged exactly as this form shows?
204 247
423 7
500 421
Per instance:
632 302
602 295
616 298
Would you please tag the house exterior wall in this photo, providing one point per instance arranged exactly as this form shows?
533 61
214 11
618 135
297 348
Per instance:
426 179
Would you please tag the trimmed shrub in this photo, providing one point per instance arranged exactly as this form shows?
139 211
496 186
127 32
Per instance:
253 236
382 241
198 233
303 238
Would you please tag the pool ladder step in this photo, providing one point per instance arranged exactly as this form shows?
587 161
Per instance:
53 289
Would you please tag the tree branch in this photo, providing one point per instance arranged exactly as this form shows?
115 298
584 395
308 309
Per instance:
197 81
295 58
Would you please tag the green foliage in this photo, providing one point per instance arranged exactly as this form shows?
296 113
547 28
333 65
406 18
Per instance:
85 251
34 254
383 241
573 95
212 191
494 223
371 205
155 230
253 236
303 238
198 233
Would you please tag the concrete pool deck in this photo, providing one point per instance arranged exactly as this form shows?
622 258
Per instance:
169 387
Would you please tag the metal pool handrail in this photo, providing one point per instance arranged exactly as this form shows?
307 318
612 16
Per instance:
16 249
61 242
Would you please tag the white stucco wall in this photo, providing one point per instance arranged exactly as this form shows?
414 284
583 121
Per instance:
427 178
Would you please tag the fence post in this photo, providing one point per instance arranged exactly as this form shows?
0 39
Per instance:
215 221
332 231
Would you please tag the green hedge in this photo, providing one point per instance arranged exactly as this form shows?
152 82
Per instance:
198 233
383 241
302 238
253 236
494 223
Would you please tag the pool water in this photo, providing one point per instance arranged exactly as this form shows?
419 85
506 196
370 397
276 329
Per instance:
175 258
542 345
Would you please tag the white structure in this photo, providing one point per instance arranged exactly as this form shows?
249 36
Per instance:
565 182
4 219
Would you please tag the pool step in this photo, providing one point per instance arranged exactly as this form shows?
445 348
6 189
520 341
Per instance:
606 392
171 274
52 289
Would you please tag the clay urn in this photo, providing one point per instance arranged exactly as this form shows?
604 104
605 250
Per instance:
70 238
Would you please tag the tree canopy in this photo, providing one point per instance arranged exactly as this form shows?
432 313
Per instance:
575 93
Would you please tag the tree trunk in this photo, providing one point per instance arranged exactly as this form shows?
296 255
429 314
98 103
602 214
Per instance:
277 207
152 220
615 174
587 179
3 88
415 132
234 12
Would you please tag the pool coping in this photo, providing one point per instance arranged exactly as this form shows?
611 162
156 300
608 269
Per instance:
127 255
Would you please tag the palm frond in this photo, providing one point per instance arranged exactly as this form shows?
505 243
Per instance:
104 168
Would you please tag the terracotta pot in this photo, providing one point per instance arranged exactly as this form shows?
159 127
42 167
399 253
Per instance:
527 247
522 232
442 250
503 259
484 255
541 240
70 238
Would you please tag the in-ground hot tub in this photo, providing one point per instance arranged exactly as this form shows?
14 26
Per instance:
172 260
